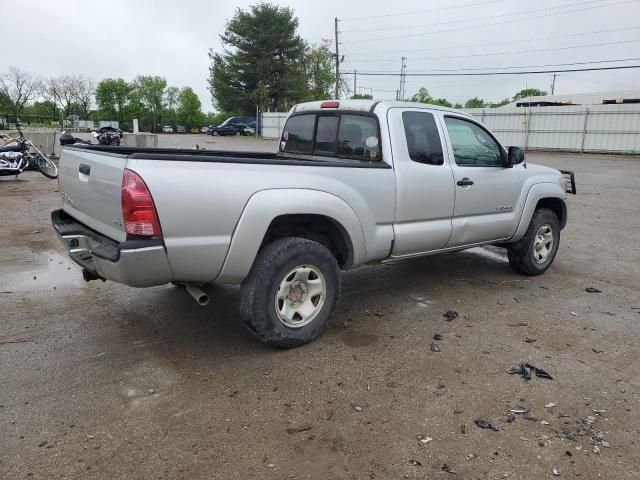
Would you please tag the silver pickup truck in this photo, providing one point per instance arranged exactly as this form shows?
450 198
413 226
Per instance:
353 182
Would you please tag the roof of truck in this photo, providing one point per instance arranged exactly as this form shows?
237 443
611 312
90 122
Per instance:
367 106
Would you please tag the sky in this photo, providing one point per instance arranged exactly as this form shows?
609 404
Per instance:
121 38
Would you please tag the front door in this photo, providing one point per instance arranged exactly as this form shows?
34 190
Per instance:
486 193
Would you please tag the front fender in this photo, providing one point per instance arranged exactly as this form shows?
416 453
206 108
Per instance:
536 193
266 205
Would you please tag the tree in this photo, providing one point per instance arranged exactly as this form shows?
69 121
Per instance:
66 94
423 96
504 101
529 92
112 95
320 71
150 92
362 96
189 108
20 87
263 61
83 89
474 102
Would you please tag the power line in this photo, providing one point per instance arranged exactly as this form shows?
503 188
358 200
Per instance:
448 22
474 74
477 4
490 24
504 53
531 66
503 42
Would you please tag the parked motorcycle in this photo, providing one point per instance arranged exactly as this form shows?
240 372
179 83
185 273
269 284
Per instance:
108 136
20 154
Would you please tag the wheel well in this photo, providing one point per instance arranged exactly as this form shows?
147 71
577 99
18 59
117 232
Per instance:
318 228
556 205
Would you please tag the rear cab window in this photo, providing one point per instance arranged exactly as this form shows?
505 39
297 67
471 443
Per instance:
351 136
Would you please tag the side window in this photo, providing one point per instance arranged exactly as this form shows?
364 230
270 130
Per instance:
423 139
358 138
472 145
297 136
326 135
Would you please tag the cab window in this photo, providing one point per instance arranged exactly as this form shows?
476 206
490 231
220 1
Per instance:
472 145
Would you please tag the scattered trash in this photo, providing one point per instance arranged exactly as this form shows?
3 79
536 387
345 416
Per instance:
520 409
544 422
574 314
43 443
451 315
271 465
299 428
530 340
438 337
596 449
509 418
447 468
550 405
457 411
592 290
556 472
357 408
415 463
528 416
471 456
597 350
485 424
524 370
435 347
519 324
422 438
463 429
598 411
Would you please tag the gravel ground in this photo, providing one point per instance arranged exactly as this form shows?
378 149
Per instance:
99 380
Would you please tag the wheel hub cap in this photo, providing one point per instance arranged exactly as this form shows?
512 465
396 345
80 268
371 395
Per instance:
543 244
300 296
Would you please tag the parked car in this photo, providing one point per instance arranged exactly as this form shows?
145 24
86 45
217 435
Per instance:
167 129
204 130
181 129
229 129
353 182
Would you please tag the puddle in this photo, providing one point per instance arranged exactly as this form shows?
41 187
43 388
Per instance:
53 270
483 252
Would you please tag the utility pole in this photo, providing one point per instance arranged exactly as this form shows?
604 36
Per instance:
403 78
355 81
337 93
553 83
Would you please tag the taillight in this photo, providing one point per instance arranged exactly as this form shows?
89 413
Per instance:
138 210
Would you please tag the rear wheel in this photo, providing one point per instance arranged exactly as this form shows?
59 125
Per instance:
534 253
291 292
44 165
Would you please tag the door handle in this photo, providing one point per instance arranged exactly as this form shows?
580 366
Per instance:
84 169
465 182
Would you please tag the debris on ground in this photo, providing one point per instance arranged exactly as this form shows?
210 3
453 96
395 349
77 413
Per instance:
451 315
299 428
520 409
524 370
415 463
529 416
597 350
519 324
530 340
484 424
438 337
592 290
447 468
556 472
509 418
550 405
357 408
435 347
423 439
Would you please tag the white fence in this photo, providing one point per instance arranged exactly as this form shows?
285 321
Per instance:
579 128
272 124
594 128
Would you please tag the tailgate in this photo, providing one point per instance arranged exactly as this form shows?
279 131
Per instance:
90 185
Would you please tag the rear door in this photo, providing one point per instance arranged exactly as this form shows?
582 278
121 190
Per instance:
424 192
90 185
485 191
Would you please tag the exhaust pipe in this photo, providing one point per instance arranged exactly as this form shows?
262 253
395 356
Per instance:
197 293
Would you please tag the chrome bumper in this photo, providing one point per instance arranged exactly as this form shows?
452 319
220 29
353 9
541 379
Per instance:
138 263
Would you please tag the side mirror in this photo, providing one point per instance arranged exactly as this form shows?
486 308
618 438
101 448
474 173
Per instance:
515 156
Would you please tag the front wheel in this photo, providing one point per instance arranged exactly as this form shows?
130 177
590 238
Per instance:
534 253
290 292
44 165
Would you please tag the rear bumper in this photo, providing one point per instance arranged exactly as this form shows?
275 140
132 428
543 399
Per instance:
139 263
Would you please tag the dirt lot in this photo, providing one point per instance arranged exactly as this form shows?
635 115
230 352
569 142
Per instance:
103 381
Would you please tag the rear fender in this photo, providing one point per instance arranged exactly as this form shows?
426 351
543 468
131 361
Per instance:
266 205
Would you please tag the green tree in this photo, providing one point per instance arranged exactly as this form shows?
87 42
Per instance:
189 108
528 92
362 96
112 95
501 103
320 71
149 91
423 96
474 102
263 62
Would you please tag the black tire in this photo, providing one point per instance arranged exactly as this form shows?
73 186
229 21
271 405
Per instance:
259 289
45 166
521 253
